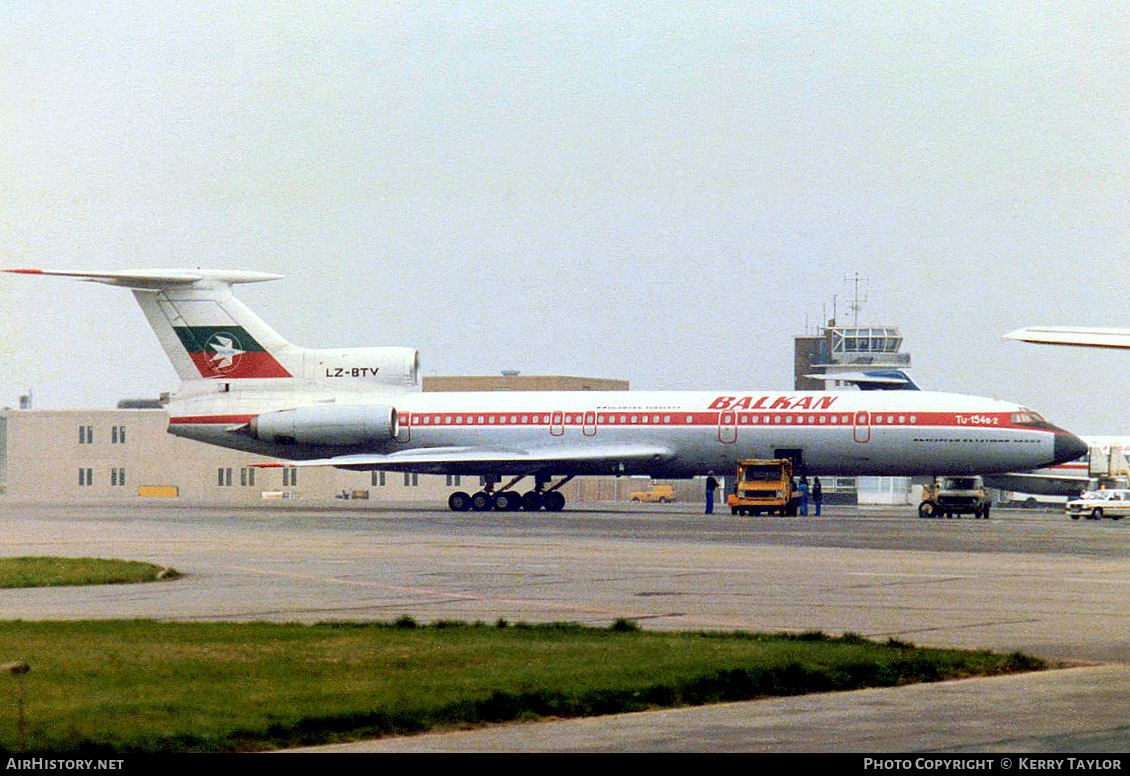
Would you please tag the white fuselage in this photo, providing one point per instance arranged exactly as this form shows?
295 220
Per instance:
898 433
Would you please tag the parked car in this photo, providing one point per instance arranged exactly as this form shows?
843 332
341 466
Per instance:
664 494
1097 504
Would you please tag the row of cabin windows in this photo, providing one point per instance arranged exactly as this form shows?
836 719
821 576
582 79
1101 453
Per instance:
118 433
612 420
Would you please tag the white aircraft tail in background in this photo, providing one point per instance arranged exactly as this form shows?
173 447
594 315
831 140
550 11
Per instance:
1073 335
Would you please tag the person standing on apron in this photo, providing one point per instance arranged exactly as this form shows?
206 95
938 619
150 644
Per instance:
711 486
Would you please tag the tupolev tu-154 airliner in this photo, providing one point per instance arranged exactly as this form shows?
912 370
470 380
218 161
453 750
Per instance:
245 387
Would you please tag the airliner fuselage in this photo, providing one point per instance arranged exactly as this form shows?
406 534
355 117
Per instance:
835 433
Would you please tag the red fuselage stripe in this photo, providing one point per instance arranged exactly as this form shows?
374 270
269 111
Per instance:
810 419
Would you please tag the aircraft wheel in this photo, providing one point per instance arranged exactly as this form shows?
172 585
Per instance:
531 501
553 501
507 501
459 501
482 501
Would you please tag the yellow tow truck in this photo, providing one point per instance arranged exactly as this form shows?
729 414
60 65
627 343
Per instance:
764 485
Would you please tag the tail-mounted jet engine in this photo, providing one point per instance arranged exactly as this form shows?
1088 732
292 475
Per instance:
330 425
361 368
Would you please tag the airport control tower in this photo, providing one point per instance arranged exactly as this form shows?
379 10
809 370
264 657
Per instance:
852 351
845 350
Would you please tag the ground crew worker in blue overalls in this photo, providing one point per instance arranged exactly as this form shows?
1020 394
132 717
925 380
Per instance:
803 491
711 486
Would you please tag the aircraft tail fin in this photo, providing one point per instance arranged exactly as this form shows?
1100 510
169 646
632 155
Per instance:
205 331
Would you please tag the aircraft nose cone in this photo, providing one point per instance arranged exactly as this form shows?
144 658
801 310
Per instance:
1068 447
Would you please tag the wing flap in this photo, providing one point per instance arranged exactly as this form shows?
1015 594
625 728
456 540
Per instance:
441 460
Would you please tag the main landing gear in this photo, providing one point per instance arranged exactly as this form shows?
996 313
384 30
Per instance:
507 500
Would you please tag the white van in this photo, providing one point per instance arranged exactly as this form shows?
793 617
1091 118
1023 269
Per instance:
1097 504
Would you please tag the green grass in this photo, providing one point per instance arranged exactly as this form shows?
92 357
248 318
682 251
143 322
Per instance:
135 686
54 572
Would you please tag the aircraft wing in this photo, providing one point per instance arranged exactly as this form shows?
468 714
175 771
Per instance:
565 459
1073 335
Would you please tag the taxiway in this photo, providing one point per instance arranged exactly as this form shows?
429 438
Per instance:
1030 581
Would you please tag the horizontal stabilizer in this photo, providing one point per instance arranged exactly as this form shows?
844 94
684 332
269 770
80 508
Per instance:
1073 335
204 330
154 279
440 460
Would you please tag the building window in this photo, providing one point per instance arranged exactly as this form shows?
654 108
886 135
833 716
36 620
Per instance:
117 477
85 477
247 477
223 477
118 435
86 435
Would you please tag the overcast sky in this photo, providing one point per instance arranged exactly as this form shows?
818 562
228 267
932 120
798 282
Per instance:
660 192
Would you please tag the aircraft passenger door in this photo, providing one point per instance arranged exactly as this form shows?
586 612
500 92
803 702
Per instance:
863 427
727 427
404 427
557 423
589 426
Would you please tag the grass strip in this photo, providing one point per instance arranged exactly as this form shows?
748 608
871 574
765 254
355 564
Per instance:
100 687
57 572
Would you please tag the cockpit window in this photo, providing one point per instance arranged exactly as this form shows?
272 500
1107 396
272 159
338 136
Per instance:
1026 417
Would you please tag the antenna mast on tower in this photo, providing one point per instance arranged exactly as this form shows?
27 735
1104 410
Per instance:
857 303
